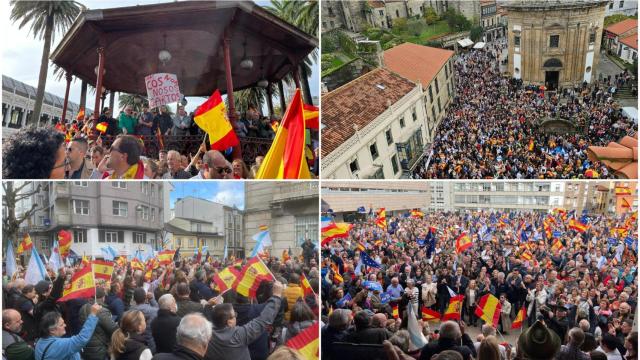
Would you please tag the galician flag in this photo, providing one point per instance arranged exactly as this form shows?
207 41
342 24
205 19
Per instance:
262 240
11 265
35 270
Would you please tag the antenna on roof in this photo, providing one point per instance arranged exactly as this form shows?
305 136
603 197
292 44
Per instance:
380 86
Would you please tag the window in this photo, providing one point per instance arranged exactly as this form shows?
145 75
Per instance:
119 184
379 174
621 5
433 112
330 11
389 136
111 236
306 227
153 214
402 122
381 12
394 163
413 114
373 149
353 166
153 190
437 86
439 107
81 183
554 41
144 187
516 40
592 38
81 207
332 23
397 13
120 208
192 243
611 5
44 244
430 94
80 236
139 238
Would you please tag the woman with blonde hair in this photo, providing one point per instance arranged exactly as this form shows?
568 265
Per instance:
128 342
286 353
240 170
489 349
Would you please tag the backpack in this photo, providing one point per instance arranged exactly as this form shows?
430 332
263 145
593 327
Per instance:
19 350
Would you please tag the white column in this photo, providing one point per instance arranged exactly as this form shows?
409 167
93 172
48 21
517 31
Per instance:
7 115
23 121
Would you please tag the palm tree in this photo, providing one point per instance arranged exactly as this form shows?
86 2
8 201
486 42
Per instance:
136 101
46 18
252 96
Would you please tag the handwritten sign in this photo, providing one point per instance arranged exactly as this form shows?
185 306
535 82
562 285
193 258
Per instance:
162 89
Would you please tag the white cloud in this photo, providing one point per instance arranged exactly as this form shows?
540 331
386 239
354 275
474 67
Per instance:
230 193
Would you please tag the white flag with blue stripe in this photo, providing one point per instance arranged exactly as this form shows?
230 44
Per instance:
55 260
11 267
262 239
35 270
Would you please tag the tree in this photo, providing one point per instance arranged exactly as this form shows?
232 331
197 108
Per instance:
45 17
136 102
456 21
255 96
14 192
476 33
430 15
400 24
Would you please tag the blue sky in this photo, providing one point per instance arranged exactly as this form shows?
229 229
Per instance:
225 192
21 54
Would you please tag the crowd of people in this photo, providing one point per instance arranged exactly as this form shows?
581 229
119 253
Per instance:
579 294
79 150
493 127
176 313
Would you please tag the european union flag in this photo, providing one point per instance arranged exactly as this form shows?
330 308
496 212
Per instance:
385 297
367 260
523 236
362 210
342 302
421 242
629 241
557 233
613 241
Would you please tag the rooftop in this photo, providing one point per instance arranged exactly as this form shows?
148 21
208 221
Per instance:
376 3
622 26
416 62
358 103
12 85
631 41
526 5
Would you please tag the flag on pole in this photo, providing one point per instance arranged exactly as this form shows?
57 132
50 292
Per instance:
286 157
136 264
10 267
430 315
253 273
102 127
82 285
367 260
520 319
334 231
80 115
102 269
381 220
311 116
622 190
488 309
35 269
557 245
463 242
64 241
454 309
211 117
306 286
165 257
109 253
337 278
25 244
418 341
417 214
262 239
578 226
225 278
394 311
307 342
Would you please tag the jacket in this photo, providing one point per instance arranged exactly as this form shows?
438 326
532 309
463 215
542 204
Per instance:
292 293
163 329
116 305
85 171
440 345
231 343
180 353
368 336
26 308
186 306
135 348
98 345
259 348
50 303
66 348
296 328
150 312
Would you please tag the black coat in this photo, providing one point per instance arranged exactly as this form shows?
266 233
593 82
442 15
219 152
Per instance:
133 347
180 353
163 329
368 336
440 345
26 308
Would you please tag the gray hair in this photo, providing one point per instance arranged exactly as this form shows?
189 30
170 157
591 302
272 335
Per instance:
450 330
340 318
402 340
194 329
166 301
488 330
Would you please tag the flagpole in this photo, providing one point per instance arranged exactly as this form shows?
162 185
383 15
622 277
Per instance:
265 265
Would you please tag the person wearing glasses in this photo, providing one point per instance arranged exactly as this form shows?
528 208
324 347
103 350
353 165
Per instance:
34 153
123 159
214 166
76 154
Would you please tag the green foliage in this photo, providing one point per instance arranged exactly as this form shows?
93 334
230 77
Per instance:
433 43
612 19
416 26
430 15
373 33
456 21
329 41
399 25
476 33
303 14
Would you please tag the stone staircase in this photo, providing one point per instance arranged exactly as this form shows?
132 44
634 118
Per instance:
624 93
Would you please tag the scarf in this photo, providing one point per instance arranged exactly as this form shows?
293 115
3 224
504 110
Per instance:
135 171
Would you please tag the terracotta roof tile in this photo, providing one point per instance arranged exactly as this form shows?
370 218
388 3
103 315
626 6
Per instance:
621 157
631 41
416 62
376 4
358 103
622 26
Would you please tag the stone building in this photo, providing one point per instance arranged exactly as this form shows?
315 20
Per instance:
555 43
624 7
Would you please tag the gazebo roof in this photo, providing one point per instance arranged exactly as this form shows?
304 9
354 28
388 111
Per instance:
192 31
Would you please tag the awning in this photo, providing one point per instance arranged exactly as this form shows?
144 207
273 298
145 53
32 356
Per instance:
479 45
465 42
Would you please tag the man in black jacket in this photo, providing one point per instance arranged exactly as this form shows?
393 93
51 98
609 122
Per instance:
165 325
192 337
450 337
365 334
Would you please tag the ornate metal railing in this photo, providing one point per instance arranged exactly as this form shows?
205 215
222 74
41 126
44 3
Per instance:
251 147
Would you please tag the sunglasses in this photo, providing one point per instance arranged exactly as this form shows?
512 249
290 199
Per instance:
222 170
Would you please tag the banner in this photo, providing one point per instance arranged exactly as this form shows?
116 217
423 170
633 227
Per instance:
162 89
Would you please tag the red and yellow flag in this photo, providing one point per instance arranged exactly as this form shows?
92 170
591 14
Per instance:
165 257
520 319
526 255
225 278
454 309
488 309
415 213
253 273
359 246
622 190
335 230
463 242
578 226
65 240
102 269
211 117
311 116
381 220
395 312
430 315
285 255
136 264
81 285
25 244
557 245
85 261
102 127
80 115
286 159
307 342
306 286
337 278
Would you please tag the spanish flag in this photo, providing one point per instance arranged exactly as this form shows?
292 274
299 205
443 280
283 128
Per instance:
253 273
381 221
488 309
531 144
395 311
415 213
306 286
463 242
307 342
64 242
286 159
165 257
430 315
359 246
578 226
335 230
225 278
81 285
337 278
311 116
520 318
102 127
622 190
136 264
526 255
85 261
25 244
211 118
80 115
454 309
121 261
102 269
557 245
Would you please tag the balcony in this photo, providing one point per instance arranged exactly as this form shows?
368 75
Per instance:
293 191
60 190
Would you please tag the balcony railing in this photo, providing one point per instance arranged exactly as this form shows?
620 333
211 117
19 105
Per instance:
251 147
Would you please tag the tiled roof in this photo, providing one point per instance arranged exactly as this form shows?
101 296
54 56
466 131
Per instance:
416 62
376 4
622 26
357 103
621 156
631 41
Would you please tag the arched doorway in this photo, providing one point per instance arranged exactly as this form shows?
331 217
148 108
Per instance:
552 73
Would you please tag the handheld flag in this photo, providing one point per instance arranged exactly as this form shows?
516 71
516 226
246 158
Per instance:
165 257
225 278
64 241
367 260
381 220
286 157
342 302
622 190
10 267
102 269
578 226
82 285
335 230
307 342
80 115
254 272
311 115
35 269
417 214
306 286
25 244
488 309
463 242
430 315
395 312
211 118
520 319
415 331
102 127
454 309
262 239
